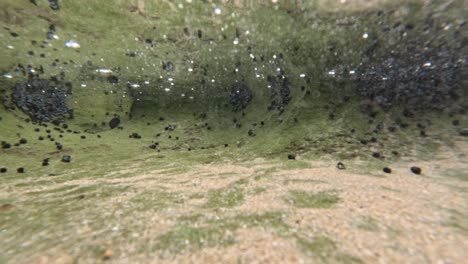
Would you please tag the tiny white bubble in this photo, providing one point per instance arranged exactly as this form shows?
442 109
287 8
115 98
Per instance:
302 75
365 35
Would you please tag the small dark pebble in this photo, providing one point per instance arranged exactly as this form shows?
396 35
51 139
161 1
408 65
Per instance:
456 122
135 135
40 138
291 156
3 170
464 132
6 145
81 196
83 137
340 166
113 79
416 170
20 170
54 5
387 170
114 122
376 155
66 158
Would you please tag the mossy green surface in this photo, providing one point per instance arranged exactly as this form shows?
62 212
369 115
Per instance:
63 204
303 199
225 198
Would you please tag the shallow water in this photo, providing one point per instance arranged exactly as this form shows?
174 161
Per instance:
233 131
